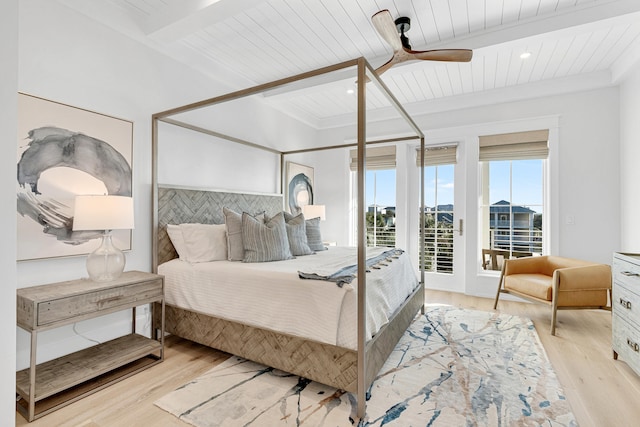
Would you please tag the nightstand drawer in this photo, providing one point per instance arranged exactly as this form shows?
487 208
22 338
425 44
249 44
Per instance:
58 310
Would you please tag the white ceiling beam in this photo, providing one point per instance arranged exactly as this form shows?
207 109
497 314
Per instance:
173 13
201 14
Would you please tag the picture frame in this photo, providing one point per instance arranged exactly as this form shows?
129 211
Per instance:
299 187
64 151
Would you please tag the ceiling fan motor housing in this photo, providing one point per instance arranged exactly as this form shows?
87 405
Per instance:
403 24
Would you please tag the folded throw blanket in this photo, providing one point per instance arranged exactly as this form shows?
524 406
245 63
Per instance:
348 273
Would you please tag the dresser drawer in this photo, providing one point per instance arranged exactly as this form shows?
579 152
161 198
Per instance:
626 303
57 310
626 342
626 273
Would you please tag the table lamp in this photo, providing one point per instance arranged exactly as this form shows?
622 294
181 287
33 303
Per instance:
314 211
104 213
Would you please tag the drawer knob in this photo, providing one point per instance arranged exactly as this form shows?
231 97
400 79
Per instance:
626 304
630 273
634 345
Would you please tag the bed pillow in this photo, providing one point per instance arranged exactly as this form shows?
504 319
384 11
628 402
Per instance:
297 234
233 223
205 242
175 235
265 241
314 238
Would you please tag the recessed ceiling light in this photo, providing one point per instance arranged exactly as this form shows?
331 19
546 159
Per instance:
350 91
525 55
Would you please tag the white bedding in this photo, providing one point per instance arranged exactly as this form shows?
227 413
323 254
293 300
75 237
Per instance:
270 295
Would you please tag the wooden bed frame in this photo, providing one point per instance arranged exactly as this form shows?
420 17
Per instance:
351 370
327 364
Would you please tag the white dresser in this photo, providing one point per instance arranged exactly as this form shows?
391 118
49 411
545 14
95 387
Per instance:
626 309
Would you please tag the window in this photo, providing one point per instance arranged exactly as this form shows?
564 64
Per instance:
439 218
513 170
380 197
381 207
438 204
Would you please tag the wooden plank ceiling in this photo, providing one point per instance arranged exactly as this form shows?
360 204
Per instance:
572 45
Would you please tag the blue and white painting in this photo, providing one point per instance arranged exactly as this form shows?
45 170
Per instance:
299 187
63 152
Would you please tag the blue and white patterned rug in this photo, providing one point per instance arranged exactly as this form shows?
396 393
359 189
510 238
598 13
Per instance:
452 367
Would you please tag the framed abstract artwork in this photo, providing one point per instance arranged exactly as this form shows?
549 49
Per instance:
299 187
64 151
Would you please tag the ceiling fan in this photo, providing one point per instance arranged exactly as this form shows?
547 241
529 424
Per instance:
389 29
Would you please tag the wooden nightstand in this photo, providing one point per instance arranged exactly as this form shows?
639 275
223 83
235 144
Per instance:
66 379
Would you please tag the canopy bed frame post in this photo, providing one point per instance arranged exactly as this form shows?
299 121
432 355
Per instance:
154 193
422 218
282 178
362 240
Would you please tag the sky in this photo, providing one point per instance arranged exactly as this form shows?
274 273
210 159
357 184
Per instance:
526 185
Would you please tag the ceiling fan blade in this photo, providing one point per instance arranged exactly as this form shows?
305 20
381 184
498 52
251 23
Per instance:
452 55
387 28
384 67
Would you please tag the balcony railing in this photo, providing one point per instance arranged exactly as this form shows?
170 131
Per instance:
381 236
502 223
438 256
516 240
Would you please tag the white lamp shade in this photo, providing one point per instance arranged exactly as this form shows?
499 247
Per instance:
103 213
314 211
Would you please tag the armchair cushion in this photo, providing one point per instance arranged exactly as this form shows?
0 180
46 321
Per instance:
533 284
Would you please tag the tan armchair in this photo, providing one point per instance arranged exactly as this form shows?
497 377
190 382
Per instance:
562 283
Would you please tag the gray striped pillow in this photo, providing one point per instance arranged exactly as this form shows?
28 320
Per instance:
314 238
265 241
233 222
297 235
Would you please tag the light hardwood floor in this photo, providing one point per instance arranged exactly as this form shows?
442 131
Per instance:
601 391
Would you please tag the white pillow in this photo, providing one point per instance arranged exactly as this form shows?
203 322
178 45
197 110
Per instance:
175 235
205 242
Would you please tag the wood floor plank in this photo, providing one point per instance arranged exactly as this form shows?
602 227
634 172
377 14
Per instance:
601 391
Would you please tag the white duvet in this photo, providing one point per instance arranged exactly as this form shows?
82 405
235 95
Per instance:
270 295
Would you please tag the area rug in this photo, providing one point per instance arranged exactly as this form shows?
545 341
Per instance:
452 367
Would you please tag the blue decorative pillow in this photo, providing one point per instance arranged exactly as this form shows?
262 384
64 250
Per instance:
265 241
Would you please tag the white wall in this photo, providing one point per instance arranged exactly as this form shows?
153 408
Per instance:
8 133
331 188
629 159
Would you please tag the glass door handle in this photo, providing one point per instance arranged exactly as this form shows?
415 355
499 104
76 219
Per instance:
460 228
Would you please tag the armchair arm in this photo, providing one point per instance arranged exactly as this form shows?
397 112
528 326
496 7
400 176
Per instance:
596 276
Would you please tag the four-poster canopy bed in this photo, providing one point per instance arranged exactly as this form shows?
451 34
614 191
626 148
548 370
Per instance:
351 367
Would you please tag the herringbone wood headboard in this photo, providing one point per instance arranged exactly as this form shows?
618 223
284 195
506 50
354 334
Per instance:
179 206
